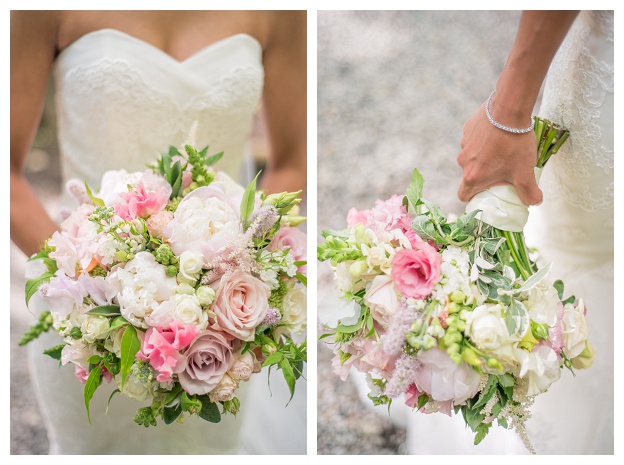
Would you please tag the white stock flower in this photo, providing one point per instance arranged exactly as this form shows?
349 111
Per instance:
574 329
94 327
186 308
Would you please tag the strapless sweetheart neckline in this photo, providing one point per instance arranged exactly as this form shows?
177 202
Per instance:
227 41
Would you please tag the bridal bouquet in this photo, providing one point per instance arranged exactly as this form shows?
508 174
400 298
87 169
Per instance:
177 284
453 315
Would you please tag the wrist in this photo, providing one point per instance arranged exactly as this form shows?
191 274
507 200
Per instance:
511 110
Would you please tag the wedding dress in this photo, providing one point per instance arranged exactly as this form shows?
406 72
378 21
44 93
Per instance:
573 229
120 102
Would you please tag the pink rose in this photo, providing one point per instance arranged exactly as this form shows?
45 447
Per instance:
208 358
382 300
241 304
156 223
416 271
150 195
293 239
244 366
443 379
162 347
356 217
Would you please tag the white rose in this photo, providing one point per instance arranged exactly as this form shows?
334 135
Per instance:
382 300
486 328
574 329
186 309
94 327
142 287
541 367
295 308
135 388
543 304
205 295
191 264
225 390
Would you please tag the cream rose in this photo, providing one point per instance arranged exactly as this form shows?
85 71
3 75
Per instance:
241 304
382 300
574 329
186 308
244 366
205 295
94 327
191 264
486 328
294 313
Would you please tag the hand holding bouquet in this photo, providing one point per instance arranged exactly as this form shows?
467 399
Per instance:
175 283
453 315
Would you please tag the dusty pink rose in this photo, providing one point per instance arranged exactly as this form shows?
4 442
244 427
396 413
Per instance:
356 217
241 304
156 223
162 347
208 358
443 379
150 195
293 239
416 271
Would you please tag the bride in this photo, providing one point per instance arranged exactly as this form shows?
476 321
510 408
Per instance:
573 228
129 84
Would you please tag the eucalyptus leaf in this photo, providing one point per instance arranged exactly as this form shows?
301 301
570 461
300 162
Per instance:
55 352
289 376
273 359
118 323
171 414
96 201
558 285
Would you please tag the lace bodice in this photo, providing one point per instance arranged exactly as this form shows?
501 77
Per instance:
121 101
578 94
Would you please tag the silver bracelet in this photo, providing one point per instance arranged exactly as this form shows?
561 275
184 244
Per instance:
502 126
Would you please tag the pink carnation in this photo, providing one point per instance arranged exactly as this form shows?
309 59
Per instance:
162 348
356 217
150 195
416 271
388 215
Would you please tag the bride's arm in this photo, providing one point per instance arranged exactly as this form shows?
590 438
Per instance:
284 99
33 46
491 156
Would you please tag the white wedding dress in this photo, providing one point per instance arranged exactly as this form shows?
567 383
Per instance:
120 102
573 229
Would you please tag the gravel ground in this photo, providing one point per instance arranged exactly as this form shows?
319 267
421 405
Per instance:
394 89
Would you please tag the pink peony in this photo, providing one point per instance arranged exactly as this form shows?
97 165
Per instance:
443 379
157 222
356 217
416 271
241 304
150 195
162 346
208 358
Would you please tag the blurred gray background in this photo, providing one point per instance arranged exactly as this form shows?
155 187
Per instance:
394 90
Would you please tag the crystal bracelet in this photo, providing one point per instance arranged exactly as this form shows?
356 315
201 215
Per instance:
502 126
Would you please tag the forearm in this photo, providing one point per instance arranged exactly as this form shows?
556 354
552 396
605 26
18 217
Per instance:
539 36
30 223
289 177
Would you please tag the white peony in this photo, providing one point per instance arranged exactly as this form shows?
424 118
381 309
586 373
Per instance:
574 329
540 367
143 290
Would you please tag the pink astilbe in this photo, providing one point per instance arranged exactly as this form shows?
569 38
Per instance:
150 195
162 348
402 376
400 324
272 317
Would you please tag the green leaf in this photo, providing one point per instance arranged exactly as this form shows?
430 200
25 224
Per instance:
55 352
96 201
130 345
517 318
302 279
289 376
487 393
33 284
118 323
502 421
209 410
273 359
94 359
558 285
482 431
414 190
422 400
506 380
213 159
249 199
105 310
93 381
111 398
171 414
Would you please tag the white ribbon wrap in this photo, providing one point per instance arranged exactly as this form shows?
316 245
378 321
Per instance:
501 207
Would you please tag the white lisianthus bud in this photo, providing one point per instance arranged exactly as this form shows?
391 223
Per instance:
94 327
187 310
191 263
205 295
184 288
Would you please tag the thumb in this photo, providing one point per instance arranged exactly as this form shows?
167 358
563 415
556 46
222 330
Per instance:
527 189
